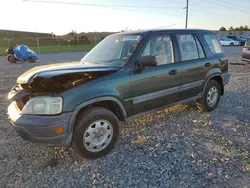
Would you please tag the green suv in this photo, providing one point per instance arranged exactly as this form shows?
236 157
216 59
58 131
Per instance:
125 75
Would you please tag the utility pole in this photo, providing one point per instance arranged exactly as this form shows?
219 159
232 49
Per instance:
187 14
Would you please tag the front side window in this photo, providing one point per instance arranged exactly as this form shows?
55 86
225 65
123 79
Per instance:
114 50
213 43
190 47
160 47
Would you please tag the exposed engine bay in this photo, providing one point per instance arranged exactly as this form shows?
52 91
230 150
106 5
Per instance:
60 83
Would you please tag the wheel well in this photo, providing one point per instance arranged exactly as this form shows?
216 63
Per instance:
110 105
220 81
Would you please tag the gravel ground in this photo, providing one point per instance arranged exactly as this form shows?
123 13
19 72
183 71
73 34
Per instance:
177 147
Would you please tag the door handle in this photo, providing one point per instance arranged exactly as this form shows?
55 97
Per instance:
207 65
172 72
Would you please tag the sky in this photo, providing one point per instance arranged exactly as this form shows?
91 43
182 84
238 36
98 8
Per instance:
30 15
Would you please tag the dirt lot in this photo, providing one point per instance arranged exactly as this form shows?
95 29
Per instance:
177 147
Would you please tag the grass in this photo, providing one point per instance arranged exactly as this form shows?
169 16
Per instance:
55 49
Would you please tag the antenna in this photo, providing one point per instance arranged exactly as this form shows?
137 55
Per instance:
166 26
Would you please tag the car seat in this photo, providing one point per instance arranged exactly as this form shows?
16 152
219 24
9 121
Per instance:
189 51
162 53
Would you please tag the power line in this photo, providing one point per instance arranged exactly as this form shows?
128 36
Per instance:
232 4
120 7
226 6
101 5
209 14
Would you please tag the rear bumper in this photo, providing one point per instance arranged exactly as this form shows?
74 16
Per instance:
226 78
40 129
244 59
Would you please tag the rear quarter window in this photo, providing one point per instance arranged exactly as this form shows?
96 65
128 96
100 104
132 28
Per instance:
213 43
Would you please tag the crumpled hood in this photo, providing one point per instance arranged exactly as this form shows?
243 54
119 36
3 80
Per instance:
60 69
62 76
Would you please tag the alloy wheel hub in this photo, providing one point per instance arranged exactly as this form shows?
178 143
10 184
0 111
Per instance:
212 96
98 135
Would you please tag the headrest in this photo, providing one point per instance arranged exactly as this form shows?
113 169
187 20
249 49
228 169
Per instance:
158 48
188 46
162 47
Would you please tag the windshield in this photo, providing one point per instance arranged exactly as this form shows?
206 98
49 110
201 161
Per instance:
113 50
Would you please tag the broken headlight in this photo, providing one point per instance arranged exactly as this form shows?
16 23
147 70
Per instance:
43 106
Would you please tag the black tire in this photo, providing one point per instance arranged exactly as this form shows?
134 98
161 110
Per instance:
32 61
204 102
231 44
83 123
11 58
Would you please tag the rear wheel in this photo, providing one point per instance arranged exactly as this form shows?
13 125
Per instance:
96 133
231 44
211 96
32 61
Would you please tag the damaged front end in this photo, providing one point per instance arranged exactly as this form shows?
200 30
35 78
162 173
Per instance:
19 95
50 82
62 82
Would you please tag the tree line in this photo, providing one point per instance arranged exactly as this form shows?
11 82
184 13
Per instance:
241 28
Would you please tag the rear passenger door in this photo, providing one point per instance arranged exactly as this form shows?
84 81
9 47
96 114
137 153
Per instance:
194 65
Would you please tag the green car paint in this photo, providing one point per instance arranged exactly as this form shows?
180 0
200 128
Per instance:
130 88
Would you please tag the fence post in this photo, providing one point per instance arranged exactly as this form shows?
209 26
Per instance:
37 42
58 43
8 39
69 46
77 42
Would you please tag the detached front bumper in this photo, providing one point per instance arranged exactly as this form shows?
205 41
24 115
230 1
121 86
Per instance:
40 129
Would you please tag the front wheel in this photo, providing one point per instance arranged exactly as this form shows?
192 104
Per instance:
11 58
96 133
211 96
231 44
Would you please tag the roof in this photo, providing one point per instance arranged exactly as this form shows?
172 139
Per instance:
141 32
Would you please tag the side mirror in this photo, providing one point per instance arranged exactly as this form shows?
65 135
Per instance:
147 61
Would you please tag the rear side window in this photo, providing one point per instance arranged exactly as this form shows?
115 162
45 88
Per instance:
213 43
190 47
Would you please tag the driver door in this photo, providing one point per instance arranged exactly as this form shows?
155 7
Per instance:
156 86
